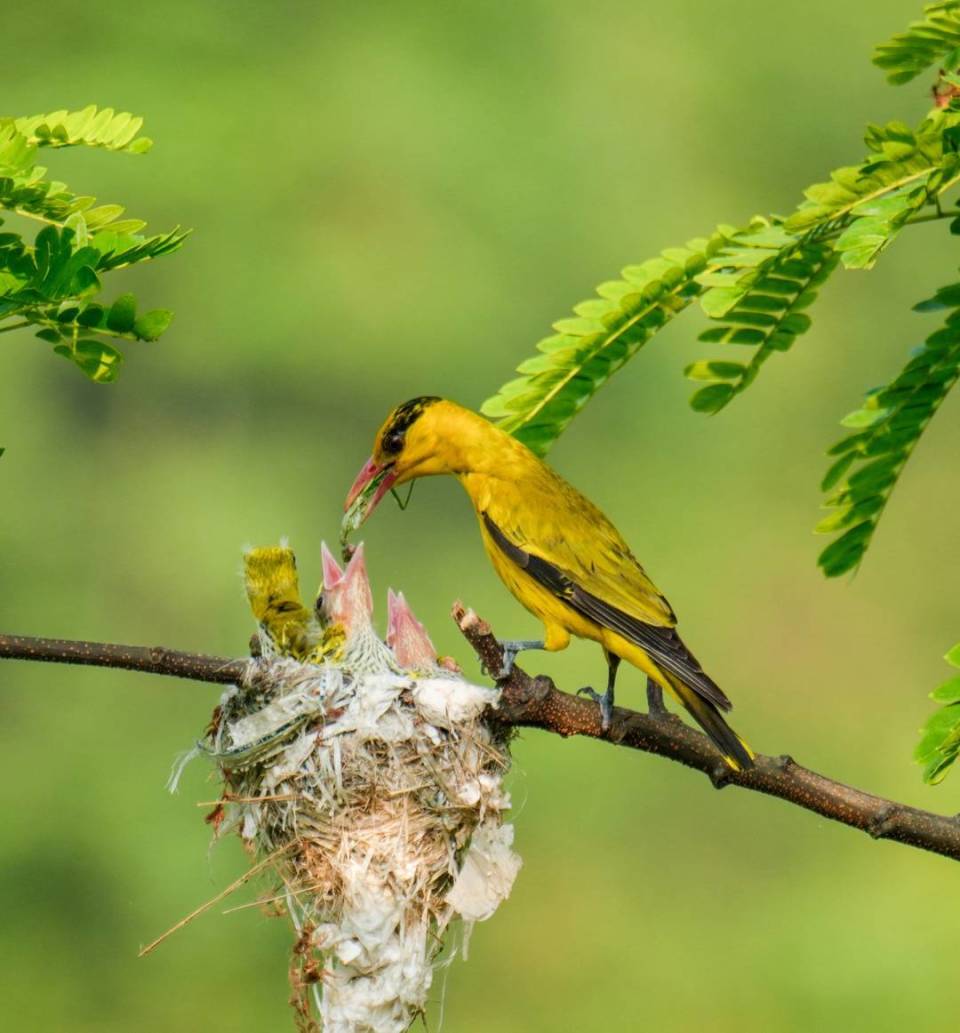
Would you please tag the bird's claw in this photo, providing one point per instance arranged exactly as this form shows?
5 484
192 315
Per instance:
507 663
604 701
510 650
506 666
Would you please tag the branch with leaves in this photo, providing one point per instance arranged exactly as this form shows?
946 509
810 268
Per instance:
535 702
756 284
52 283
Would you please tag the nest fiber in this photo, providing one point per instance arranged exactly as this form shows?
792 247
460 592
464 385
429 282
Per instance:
372 790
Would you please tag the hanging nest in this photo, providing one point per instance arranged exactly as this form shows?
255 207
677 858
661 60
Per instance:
363 775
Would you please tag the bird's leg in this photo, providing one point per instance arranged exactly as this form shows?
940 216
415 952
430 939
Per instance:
655 704
510 649
606 700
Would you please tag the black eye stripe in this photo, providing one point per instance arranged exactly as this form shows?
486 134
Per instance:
404 416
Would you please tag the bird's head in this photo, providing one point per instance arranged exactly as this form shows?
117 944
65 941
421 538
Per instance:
420 438
346 598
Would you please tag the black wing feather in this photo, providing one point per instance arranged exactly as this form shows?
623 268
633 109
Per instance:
662 643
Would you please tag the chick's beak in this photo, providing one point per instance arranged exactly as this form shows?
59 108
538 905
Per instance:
371 484
406 636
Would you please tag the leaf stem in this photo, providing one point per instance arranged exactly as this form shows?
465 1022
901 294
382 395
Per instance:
15 326
930 217
45 219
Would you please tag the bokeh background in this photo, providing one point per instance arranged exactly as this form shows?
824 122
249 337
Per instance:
397 199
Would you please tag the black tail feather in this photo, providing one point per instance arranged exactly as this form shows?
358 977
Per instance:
735 751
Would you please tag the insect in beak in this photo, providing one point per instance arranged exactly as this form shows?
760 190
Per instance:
371 484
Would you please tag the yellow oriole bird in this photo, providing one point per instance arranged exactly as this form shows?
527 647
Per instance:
555 551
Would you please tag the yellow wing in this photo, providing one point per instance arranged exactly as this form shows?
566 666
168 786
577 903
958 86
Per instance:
570 548
547 517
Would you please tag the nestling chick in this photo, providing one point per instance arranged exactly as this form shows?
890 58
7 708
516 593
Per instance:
409 641
345 606
286 625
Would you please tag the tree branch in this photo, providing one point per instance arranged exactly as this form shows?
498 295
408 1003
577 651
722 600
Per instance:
151 659
535 702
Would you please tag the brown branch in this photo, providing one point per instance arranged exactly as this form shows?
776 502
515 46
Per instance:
537 703
152 659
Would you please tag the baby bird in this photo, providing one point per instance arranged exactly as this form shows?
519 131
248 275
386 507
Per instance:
286 626
410 643
345 606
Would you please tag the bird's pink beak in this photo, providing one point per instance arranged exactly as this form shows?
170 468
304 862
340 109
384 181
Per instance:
346 592
406 636
332 571
371 484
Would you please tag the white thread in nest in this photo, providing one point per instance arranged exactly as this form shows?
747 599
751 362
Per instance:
487 873
387 790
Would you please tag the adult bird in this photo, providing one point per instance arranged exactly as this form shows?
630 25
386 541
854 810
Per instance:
555 551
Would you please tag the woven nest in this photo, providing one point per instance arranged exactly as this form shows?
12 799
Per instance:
367 780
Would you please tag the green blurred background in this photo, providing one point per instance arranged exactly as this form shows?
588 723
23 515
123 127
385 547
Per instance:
397 199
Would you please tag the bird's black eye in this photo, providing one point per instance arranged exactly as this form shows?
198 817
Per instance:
393 443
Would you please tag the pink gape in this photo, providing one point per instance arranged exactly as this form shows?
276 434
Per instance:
346 593
407 637
347 601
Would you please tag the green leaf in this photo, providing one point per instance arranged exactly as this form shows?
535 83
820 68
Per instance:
92 315
711 399
879 221
90 127
762 310
924 43
888 427
837 470
948 692
937 732
713 369
52 282
939 743
869 203
574 363
946 297
121 249
122 314
98 217
151 325
866 416
99 360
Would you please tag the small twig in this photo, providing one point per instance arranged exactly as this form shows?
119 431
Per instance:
14 326
263 901
235 885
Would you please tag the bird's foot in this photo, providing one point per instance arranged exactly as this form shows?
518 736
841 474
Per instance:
655 705
510 650
604 700
509 659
